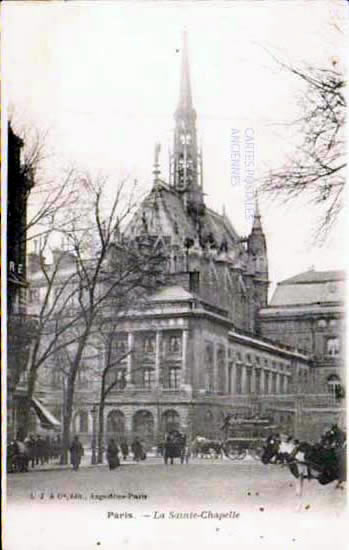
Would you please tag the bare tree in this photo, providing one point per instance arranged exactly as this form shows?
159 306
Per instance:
108 274
53 290
47 196
317 167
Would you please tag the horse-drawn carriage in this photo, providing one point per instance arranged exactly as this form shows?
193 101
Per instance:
241 436
174 447
246 435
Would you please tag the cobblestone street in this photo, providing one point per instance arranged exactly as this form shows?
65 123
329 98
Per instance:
97 507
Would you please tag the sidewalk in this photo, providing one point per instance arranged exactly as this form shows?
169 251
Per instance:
85 463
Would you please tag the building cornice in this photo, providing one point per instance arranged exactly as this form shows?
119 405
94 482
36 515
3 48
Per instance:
268 346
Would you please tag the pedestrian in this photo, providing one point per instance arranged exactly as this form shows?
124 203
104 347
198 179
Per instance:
76 453
227 424
40 450
57 447
47 449
31 444
113 455
124 449
137 449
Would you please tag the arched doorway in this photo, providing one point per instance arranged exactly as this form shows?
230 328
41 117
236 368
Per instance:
115 424
170 420
143 426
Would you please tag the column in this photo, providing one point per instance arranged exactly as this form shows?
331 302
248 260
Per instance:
184 355
232 368
270 389
253 380
278 376
130 344
266 381
262 382
157 357
286 384
243 379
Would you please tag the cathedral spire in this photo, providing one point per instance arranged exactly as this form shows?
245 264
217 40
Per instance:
185 97
186 166
156 166
257 224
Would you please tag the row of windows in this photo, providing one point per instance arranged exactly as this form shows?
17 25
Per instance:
271 384
324 323
118 377
147 381
258 361
173 344
148 344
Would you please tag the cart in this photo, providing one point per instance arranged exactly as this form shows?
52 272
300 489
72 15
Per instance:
246 436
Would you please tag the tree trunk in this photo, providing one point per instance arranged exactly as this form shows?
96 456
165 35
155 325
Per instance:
27 408
69 398
100 432
67 416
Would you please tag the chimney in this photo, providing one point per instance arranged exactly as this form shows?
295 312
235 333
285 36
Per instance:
33 262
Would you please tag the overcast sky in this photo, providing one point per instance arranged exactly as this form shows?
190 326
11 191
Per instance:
103 78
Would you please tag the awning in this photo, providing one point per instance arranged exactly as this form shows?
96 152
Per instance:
16 280
47 420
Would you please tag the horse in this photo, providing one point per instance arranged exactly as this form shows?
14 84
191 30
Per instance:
18 455
204 447
306 461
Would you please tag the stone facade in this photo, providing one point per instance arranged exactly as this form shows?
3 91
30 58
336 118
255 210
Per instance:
307 312
188 368
20 327
199 349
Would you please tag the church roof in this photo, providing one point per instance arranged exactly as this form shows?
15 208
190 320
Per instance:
163 213
170 293
311 287
313 276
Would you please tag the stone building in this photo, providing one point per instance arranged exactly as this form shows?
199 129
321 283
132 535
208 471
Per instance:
307 311
199 349
19 326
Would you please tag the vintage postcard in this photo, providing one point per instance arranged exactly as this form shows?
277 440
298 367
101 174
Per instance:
173 187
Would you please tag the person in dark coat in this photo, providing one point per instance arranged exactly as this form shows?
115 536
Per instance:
57 445
31 444
47 449
124 449
137 449
76 453
113 455
40 450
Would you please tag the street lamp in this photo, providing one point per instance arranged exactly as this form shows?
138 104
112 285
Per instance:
94 413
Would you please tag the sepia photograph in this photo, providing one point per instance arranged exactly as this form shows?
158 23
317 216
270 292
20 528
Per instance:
174 274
